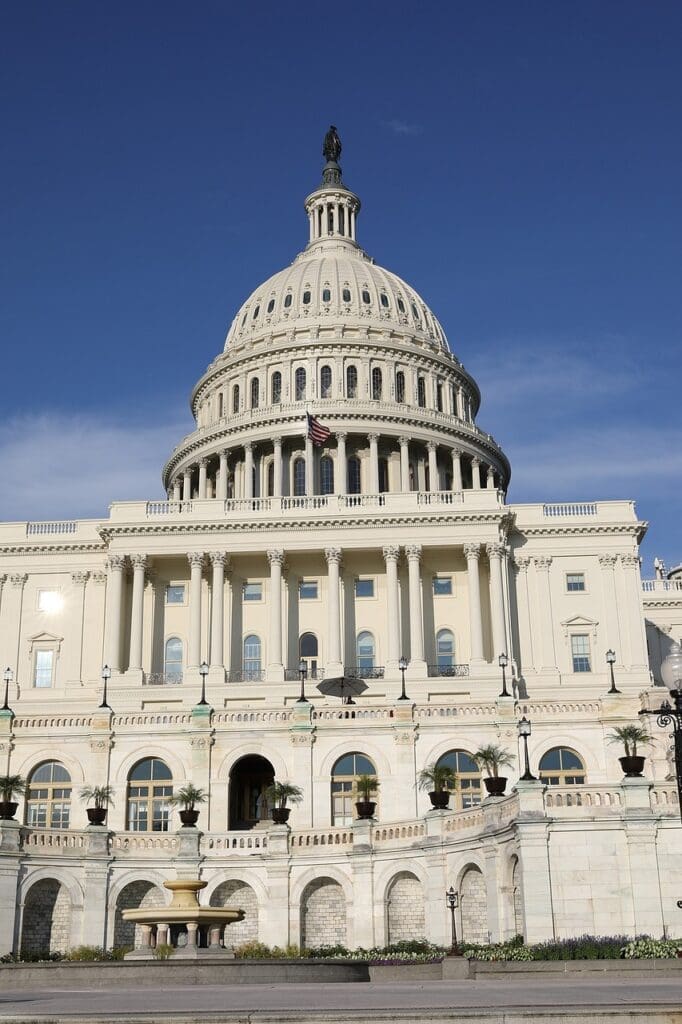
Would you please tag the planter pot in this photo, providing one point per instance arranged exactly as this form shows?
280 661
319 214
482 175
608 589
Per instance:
96 815
495 787
365 809
7 810
440 800
280 815
189 818
632 766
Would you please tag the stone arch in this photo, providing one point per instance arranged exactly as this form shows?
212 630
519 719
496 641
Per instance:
177 766
360 746
238 895
138 894
405 918
46 921
473 904
257 749
323 914
34 760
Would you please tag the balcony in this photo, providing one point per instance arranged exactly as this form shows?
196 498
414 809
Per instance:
162 679
458 671
249 675
364 671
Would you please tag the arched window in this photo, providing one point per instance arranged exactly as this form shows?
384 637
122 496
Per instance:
445 652
235 398
421 392
400 386
326 475
366 298
401 305
271 479
251 662
365 652
353 475
326 295
439 396
256 312
299 384
383 475
271 305
299 478
288 298
343 791
346 294
467 793
307 652
276 388
221 403
48 796
415 314
351 382
150 787
326 382
561 767
306 297
376 384
384 300
172 664
255 392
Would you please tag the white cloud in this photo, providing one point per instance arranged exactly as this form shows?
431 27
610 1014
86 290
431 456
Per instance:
399 127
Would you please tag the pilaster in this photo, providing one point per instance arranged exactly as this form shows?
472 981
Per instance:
10 857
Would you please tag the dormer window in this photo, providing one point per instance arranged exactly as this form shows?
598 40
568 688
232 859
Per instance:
384 300
288 300
244 318
271 305
366 297
346 294
256 312
415 312
306 298
326 295
401 306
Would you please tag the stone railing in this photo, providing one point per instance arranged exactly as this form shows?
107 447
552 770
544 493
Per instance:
575 508
313 839
457 671
143 843
364 672
434 711
352 713
162 679
661 586
54 841
240 843
56 722
559 799
411 830
250 718
60 527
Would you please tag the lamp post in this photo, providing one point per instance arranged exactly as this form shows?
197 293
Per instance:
106 676
523 729
8 677
302 672
203 672
452 900
503 661
402 665
666 714
610 659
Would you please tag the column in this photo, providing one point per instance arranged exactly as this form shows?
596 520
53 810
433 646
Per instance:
277 467
434 482
373 463
490 479
202 478
187 485
476 474
630 602
460 403
275 671
139 565
222 476
525 655
248 470
542 564
473 553
417 665
75 671
495 555
341 474
217 660
334 660
404 443
456 469
309 467
612 633
196 560
177 489
391 556
112 652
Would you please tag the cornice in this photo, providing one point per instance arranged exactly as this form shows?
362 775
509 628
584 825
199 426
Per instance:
52 549
629 529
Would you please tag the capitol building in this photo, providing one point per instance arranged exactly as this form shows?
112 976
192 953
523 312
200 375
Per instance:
338 513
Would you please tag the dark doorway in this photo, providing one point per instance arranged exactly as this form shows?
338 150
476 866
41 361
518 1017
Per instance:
249 779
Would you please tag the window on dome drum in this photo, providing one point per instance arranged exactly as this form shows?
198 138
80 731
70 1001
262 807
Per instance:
354 475
252 591
244 318
439 396
445 648
364 587
343 786
326 295
256 312
288 299
220 406
307 590
366 298
561 767
271 479
175 593
43 668
271 305
575 582
384 300
415 313
467 792
235 398
580 652
346 294
48 796
276 388
307 651
351 382
150 787
326 475
299 478
300 384
172 668
306 298
383 476
255 392
401 306
326 382
421 392
365 651
442 586
376 384
400 386
251 662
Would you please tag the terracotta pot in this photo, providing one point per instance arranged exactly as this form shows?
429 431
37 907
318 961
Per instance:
632 766
365 809
96 815
7 810
495 787
280 815
440 800
189 818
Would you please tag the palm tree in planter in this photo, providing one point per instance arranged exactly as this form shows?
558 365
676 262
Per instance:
438 780
493 757
186 798
630 735
278 795
10 785
365 787
101 797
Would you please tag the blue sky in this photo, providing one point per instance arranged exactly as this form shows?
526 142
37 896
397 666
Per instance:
519 163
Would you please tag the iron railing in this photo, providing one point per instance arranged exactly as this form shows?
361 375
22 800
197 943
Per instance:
448 670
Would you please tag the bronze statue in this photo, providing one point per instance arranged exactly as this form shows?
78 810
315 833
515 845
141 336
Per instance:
331 147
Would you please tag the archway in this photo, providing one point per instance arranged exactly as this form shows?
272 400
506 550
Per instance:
238 895
474 906
323 914
140 894
46 926
405 908
249 778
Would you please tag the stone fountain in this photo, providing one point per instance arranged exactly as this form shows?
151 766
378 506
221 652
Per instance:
202 926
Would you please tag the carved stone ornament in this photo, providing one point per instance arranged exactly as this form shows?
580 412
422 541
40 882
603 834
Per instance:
431 446
138 561
196 558
303 739
18 579
79 579
495 550
456 453
631 561
404 737
522 562
607 561
98 746
391 552
219 557
413 552
333 555
403 442
116 562
98 577
472 550
201 742
275 557
542 562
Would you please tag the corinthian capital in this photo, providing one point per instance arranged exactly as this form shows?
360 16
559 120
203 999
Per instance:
542 562
333 555
472 550
391 552
195 558
18 579
630 560
219 557
79 579
607 561
275 557
495 550
413 552
138 561
116 562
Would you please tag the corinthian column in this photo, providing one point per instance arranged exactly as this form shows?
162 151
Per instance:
277 467
404 443
187 484
196 561
417 664
136 613
275 671
222 476
373 463
334 664
248 470
495 555
542 565
433 466
473 553
177 489
391 556
202 478
217 662
112 653
476 474
341 474
456 469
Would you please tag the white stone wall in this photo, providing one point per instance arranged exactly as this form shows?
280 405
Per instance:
405 909
323 914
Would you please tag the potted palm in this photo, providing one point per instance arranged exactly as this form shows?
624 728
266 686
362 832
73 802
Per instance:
10 785
438 780
491 758
630 735
101 797
186 798
365 787
278 795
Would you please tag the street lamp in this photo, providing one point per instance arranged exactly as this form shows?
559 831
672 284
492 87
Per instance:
610 659
503 661
203 672
666 714
8 677
452 900
523 729
106 676
402 665
302 672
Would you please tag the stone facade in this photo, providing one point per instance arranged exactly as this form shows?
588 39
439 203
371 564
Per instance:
406 909
238 896
46 926
323 918
474 906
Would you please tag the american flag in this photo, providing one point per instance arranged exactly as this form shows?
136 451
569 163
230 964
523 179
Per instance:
316 432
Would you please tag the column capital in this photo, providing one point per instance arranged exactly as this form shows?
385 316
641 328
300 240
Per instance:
116 562
522 562
542 562
472 550
495 550
224 453
391 552
79 579
248 446
607 561
277 442
431 446
456 453
631 560
403 441
341 435
98 577
195 558
187 471
333 555
372 438
138 561
203 461
219 557
413 552
275 557
475 461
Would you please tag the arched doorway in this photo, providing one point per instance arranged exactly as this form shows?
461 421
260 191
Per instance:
323 914
46 924
249 779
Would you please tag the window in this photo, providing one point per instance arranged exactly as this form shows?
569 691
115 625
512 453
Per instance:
271 479
400 386
326 382
445 649
561 767
326 295
575 582
354 475
580 652
383 476
49 601
44 663
415 312
255 392
256 312
172 668
221 406
365 651
252 591
366 297
467 793
244 318
299 478
343 790
306 298
251 662
276 388
288 298
401 306
351 382
150 787
271 305
442 586
175 593
364 588
307 650
439 396
421 392
376 384
384 300
299 384
235 398
48 796
326 475
346 294
307 590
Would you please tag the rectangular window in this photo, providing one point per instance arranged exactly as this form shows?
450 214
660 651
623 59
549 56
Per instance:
252 591
580 651
175 593
575 582
307 590
43 668
49 600
442 586
364 588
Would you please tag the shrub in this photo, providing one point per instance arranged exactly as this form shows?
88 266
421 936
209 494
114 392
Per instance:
650 949
86 954
164 951
582 947
253 950
119 952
